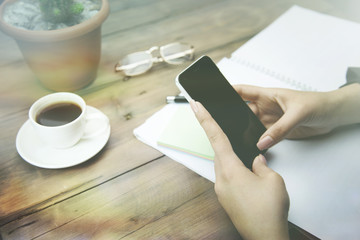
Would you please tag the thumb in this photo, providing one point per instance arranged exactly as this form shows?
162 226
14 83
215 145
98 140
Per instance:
218 140
278 130
260 167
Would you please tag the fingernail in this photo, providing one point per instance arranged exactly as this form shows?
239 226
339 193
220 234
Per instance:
265 143
262 159
194 106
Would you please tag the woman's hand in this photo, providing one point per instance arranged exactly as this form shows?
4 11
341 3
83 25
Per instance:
257 202
295 114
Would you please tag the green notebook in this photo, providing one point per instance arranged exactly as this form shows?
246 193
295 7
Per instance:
184 133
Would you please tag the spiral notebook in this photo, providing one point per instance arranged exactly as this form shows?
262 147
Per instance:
302 50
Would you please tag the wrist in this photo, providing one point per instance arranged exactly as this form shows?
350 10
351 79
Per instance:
276 231
346 102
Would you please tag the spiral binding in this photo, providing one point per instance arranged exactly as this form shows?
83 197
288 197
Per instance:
281 77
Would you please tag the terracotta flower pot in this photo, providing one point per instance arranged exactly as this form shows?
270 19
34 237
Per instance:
65 59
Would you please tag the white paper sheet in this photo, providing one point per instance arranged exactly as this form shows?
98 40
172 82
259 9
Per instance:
321 176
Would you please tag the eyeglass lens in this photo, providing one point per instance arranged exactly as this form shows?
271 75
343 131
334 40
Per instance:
136 63
176 53
140 62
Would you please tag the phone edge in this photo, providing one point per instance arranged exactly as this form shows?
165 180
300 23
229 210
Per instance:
178 84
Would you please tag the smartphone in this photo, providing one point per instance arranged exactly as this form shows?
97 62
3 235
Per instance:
203 82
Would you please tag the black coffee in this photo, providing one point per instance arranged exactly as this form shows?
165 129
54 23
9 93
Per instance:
58 114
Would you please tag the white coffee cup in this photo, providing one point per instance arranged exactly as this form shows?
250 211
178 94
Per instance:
68 134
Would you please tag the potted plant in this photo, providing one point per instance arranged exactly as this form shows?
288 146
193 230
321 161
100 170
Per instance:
62 47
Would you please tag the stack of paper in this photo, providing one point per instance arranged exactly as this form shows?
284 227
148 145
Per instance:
176 134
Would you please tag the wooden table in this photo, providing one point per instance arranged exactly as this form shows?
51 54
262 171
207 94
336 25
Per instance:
128 190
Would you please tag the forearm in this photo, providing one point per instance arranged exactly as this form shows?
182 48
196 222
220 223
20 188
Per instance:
347 105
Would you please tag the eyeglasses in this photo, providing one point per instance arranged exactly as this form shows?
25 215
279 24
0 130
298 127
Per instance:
139 62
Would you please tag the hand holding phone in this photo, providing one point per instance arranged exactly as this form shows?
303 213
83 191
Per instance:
203 82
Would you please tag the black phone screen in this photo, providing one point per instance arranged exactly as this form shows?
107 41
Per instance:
205 83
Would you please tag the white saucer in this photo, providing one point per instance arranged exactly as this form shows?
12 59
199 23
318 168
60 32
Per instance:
36 152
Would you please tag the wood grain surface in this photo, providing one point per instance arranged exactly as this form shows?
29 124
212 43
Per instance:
128 190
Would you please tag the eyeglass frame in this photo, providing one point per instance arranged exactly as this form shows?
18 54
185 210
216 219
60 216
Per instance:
156 59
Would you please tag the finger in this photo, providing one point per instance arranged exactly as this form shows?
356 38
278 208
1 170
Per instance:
278 130
254 108
260 167
248 92
219 141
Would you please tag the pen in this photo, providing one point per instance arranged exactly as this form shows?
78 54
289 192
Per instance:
182 99
176 99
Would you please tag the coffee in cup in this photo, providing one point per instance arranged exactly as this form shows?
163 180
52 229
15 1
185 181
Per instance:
59 119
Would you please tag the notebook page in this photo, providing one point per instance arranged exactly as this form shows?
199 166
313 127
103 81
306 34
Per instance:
305 47
237 73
